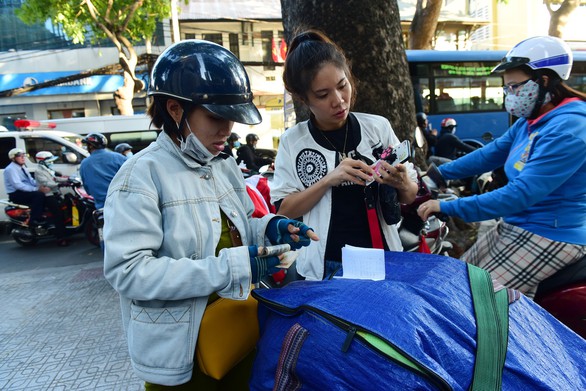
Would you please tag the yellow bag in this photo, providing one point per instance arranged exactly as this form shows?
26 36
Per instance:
228 333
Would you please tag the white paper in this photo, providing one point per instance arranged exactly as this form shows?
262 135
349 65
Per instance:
363 263
287 259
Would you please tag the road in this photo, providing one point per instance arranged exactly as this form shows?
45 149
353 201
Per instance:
45 254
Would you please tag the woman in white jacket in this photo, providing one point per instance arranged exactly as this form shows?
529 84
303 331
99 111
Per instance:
179 230
323 165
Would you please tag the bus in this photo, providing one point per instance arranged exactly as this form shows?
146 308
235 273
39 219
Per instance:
135 130
459 85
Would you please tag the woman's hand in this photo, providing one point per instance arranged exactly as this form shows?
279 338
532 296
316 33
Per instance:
428 208
350 170
396 176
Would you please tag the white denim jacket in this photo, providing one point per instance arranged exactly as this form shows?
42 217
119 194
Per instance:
162 226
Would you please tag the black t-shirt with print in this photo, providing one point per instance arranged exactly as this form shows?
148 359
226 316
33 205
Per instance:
349 221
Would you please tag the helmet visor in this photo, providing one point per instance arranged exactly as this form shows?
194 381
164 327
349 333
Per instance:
511 62
244 113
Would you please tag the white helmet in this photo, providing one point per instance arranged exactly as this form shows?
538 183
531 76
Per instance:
13 152
45 157
540 53
446 122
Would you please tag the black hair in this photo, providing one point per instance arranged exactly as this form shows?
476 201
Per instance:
161 119
308 52
558 89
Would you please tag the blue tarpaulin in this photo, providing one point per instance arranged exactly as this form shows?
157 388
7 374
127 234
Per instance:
311 334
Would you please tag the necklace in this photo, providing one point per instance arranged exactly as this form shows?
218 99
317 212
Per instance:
342 153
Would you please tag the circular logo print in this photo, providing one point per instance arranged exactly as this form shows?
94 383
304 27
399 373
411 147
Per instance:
311 166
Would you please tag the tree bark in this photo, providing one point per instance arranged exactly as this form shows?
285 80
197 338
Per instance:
370 34
128 60
559 18
424 24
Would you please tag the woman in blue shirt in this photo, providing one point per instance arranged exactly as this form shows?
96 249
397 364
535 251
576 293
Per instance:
543 204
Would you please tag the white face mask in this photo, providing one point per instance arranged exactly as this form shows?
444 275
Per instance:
193 148
128 154
522 102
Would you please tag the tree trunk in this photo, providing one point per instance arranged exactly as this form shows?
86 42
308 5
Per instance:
124 95
424 24
559 18
128 59
370 34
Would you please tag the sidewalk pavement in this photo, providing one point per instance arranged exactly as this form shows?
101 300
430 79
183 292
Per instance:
60 329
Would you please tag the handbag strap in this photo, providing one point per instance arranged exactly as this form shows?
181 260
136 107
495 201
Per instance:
373 224
492 322
234 234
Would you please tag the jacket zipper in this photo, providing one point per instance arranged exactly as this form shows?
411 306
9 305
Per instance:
352 332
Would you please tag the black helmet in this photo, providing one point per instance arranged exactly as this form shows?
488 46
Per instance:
233 137
122 147
251 137
96 140
421 117
205 74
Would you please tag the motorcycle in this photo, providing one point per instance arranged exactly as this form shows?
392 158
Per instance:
413 231
563 294
77 205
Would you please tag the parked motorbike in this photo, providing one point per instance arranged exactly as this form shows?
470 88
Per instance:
413 231
564 296
564 293
77 205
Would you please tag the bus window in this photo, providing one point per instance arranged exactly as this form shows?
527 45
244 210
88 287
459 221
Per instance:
464 94
138 139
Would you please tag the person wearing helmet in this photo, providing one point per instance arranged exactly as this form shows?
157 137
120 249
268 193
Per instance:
324 164
124 149
45 176
21 186
543 204
429 133
449 146
247 154
233 144
98 169
179 230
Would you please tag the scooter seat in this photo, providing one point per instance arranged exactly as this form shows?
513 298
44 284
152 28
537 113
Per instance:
572 274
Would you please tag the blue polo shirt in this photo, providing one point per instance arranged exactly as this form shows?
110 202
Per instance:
97 172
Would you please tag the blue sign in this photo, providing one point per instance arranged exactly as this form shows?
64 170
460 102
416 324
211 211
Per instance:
88 85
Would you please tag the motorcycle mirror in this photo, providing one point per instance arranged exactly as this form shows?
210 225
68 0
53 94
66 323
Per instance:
436 176
487 136
419 137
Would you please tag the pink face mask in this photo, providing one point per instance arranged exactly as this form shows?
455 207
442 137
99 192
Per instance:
522 102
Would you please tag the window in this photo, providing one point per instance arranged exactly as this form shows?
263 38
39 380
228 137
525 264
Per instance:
267 49
138 140
458 87
35 144
234 46
216 38
6 144
67 113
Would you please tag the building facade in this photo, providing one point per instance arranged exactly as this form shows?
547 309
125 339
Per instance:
251 29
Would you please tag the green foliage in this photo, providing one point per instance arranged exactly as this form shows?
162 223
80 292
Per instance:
109 20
